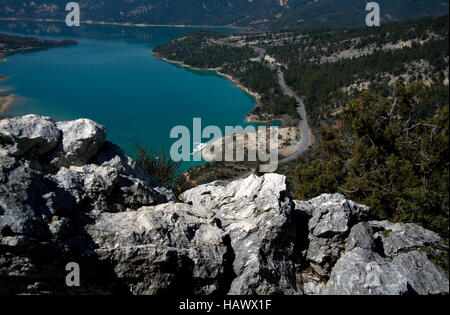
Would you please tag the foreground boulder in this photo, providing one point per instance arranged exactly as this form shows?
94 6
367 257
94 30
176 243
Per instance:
45 206
67 195
166 249
81 140
256 213
364 270
332 217
21 135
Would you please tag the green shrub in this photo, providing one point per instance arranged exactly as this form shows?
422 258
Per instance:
163 169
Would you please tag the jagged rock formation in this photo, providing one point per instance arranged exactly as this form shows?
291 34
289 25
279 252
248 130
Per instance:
66 195
256 213
364 270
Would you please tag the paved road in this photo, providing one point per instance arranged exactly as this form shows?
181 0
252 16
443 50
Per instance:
305 132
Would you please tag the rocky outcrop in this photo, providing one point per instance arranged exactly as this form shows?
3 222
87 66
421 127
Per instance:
362 269
67 195
81 140
167 249
400 237
45 205
332 217
21 135
256 214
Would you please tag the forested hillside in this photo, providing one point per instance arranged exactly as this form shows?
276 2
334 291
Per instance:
325 67
256 14
10 43
387 155
336 66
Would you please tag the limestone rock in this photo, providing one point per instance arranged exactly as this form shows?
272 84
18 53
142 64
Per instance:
256 213
167 249
22 207
20 135
332 219
402 236
423 277
81 141
111 155
361 270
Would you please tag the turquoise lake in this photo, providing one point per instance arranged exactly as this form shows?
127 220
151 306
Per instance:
112 77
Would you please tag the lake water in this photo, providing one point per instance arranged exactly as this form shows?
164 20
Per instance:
112 77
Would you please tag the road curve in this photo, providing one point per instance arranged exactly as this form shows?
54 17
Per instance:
305 132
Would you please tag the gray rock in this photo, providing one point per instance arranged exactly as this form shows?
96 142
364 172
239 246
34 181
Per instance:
423 277
360 236
104 189
255 212
311 283
137 186
167 249
332 219
363 271
332 214
132 193
81 141
304 207
90 185
112 156
22 208
402 236
31 133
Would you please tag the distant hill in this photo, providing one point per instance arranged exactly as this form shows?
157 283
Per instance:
257 14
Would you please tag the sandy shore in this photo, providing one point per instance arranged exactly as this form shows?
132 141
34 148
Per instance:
2 77
6 100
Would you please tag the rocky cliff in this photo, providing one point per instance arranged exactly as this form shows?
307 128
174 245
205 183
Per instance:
67 195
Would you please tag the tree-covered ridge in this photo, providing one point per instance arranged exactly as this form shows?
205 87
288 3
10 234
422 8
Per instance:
328 45
203 49
255 14
383 154
329 67
381 109
10 43
327 87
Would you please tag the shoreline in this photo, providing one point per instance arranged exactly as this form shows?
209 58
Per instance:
6 100
90 22
250 117
25 49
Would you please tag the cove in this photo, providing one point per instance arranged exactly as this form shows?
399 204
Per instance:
112 78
